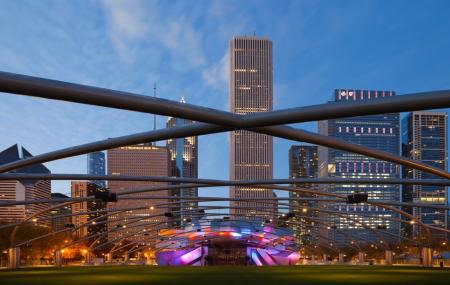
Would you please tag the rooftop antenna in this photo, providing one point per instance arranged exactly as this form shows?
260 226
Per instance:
154 115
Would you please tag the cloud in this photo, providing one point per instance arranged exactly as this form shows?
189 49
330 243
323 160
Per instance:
134 23
217 75
127 18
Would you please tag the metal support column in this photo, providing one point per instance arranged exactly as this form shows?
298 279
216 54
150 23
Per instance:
388 257
14 257
89 256
426 257
361 257
58 258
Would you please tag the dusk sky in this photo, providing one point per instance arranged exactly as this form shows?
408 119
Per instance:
182 46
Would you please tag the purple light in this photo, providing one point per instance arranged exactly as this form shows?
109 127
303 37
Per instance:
191 256
256 259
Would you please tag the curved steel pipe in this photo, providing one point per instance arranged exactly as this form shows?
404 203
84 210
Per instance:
221 182
77 93
263 123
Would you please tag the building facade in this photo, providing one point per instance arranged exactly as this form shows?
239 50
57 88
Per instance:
424 138
29 189
303 163
183 162
59 223
12 190
96 165
82 189
137 160
251 154
381 132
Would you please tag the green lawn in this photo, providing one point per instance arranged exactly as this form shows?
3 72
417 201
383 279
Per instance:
225 275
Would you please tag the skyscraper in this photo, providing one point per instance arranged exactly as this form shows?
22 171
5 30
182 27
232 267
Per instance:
303 163
379 132
80 189
424 138
251 154
138 160
29 189
96 166
59 223
183 162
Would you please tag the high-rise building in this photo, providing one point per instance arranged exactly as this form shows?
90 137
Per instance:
137 160
424 138
29 189
59 223
82 189
303 163
12 190
96 166
381 132
251 154
183 162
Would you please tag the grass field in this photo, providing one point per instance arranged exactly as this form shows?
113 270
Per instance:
225 275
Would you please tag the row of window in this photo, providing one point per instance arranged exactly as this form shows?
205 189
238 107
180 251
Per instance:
371 167
362 94
362 130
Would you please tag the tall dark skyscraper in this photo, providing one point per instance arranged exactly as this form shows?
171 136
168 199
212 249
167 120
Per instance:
183 162
303 163
251 154
380 132
96 166
424 138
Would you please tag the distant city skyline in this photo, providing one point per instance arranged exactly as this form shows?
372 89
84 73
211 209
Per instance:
329 51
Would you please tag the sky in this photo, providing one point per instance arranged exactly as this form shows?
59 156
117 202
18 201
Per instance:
182 46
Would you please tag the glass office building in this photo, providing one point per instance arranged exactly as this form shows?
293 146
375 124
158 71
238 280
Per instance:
424 138
303 163
381 132
96 166
183 162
